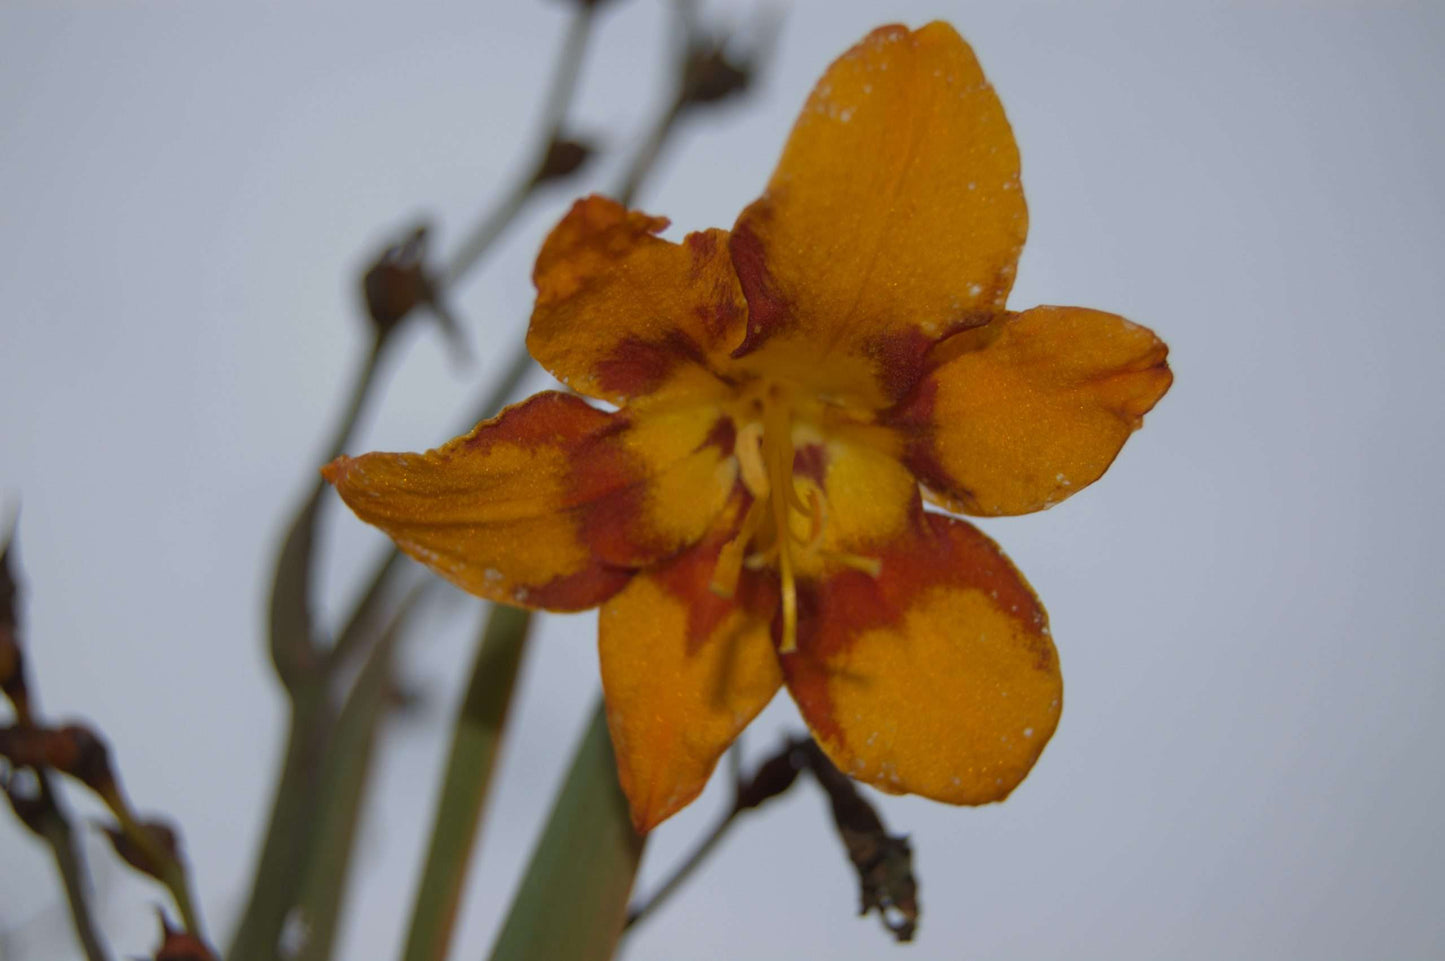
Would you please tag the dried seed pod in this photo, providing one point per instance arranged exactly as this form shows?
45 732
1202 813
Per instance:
884 862
565 156
135 854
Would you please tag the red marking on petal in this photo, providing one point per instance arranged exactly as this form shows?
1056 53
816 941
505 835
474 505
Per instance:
577 592
550 418
767 311
898 358
914 419
689 574
835 611
637 367
613 484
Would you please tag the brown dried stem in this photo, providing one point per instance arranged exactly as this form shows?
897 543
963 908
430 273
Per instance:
883 861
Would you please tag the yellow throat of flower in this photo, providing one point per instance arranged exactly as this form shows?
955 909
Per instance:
781 528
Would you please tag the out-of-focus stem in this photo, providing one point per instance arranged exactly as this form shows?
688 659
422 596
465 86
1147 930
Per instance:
308 677
645 159
684 870
554 117
292 634
172 872
55 826
345 771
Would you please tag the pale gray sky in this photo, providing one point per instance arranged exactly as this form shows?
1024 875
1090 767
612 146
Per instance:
1247 606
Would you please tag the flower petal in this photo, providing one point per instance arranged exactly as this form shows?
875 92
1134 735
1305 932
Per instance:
549 504
868 498
1032 408
684 671
895 215
938 677
620 312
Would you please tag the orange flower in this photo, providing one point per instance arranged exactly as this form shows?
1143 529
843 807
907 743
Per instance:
750 516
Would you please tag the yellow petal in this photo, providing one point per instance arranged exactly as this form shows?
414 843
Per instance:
894 217
868 499
549 504
937 677
1023 413
620 312
684 671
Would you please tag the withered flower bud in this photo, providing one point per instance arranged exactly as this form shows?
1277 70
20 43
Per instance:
884 862
709 75
564 158
135 854
86 758
180 946
74 750
397 283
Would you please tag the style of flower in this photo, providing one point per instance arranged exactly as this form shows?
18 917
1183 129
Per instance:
750 515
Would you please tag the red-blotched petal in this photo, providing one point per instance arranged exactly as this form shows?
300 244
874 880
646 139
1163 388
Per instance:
1034 407
620 312
894 217
937 677
684 671
551 503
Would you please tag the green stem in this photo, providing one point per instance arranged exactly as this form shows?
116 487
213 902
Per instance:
341 788
464 786
55 825
172 872
684 870
554 113
572 902
277 872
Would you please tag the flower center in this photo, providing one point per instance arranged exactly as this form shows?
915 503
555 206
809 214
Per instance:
780 527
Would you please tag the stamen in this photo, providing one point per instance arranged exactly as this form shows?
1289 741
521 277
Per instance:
748 448
765 456
871 566
729 564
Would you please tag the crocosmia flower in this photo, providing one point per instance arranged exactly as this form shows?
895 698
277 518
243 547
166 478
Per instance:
787 394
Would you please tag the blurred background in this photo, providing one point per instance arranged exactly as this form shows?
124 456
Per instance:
1247 607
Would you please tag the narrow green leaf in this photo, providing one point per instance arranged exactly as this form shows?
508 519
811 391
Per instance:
572 902
464 786
342 788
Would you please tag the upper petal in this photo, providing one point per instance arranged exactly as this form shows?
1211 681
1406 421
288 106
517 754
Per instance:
937 677
895 215
1021 414
551 503
684 671
620 312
